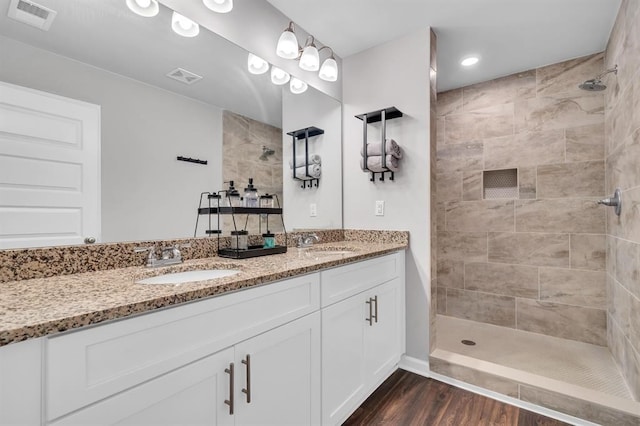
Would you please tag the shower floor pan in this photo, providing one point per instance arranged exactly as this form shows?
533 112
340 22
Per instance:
575 369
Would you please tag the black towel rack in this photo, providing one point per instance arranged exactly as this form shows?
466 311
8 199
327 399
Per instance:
305 134
381 115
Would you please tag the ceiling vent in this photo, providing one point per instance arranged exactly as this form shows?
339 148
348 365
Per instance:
31 13
184 76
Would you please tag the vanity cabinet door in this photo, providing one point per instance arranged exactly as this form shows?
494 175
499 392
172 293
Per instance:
192 395
278 375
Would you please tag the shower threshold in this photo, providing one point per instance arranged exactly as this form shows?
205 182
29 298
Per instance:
577 378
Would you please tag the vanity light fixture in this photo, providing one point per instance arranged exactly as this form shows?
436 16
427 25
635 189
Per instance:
146 8
310 58
297 86
256 64
184 26
469 61
219 6
329 68
279 77
288 47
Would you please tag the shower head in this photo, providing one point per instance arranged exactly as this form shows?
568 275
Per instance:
595 84
266 152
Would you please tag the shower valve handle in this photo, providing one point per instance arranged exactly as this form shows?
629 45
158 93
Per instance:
615 201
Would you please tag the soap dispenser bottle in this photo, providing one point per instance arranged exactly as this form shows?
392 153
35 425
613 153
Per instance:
233 196
251 195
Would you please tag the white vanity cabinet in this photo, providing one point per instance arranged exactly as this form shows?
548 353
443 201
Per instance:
362 334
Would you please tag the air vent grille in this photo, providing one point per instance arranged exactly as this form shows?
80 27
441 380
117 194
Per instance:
31 13
184 76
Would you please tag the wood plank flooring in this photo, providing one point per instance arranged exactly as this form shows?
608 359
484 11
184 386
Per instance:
409 399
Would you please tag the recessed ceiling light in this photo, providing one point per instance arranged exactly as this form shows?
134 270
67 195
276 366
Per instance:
469 60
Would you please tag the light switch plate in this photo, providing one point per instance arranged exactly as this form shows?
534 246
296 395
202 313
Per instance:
313 210
380 208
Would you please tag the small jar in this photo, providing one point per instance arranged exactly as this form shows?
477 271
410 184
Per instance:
250 195
266 201
239 240
234 199
269 240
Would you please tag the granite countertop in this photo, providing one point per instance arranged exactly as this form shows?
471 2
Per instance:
43 306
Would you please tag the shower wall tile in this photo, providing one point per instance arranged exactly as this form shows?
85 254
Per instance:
630 217
576 407
527 182
467 246
459 157
449 186
496 278
450 273
619 305
499 91
627 267
524 149
560 80
618 122
474 377
565 321
553 113
623 167
588 251
585 143
480 124
472 185
478 216
440 212
632 370
536 249
449 102
441 302
585 179
634 322
611 255
573 287
560 215
483 307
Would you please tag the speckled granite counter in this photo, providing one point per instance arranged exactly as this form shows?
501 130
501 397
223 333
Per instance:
37 307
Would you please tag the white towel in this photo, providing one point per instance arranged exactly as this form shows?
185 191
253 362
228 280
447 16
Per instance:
375 148
313 159
314 172
374 163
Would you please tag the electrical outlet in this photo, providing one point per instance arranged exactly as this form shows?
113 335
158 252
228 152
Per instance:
313 210
380 208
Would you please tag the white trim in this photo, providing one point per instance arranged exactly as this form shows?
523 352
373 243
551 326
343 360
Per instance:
414 365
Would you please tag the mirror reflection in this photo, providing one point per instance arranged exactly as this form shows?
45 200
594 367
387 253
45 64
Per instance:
103 54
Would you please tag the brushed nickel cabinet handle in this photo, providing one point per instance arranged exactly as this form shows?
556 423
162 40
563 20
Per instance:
370 319
375 312
247 390
230 402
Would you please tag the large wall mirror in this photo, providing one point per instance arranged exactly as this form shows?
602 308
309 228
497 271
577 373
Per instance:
101 53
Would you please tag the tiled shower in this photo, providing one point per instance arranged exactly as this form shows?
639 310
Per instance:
539 254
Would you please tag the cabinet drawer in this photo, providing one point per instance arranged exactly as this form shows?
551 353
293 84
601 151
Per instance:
345 281
88 365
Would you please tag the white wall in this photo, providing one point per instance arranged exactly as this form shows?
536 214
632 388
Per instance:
146 192
394 74
313 108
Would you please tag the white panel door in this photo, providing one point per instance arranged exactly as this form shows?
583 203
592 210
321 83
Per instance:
49 169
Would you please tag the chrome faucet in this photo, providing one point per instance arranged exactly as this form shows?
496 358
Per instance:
170 255
307 240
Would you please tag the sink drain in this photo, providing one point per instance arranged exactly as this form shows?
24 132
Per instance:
468 342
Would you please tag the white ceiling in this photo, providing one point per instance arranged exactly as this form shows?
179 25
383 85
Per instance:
508 35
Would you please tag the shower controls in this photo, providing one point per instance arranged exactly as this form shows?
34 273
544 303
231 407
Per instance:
615 201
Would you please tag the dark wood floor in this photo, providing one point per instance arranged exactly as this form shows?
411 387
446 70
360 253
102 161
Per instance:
409 399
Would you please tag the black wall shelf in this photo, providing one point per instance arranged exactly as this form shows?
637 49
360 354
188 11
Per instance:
305 134
381 115
301 133
375 116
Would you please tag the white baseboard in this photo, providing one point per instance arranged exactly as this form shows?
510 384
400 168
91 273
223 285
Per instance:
415 365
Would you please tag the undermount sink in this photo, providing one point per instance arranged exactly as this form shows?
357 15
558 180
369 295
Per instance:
189 276
327 251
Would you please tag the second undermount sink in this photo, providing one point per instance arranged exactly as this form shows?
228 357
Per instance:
328 251
189 276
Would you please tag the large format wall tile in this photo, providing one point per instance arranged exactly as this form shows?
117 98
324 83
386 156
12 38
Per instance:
618 304
527 182
585 143
478 216
472 185
560 215
450 273
623 167
459 157
467 246
627 265
499 91
569 322
573 287
534 249
449 186
630 218
508 280
585 179
551 113
449 102
560 80
634 322
480 124
588 251
483 307
524 149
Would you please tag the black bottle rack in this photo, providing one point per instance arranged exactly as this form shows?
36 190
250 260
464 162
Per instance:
305 134
381 115
252 250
